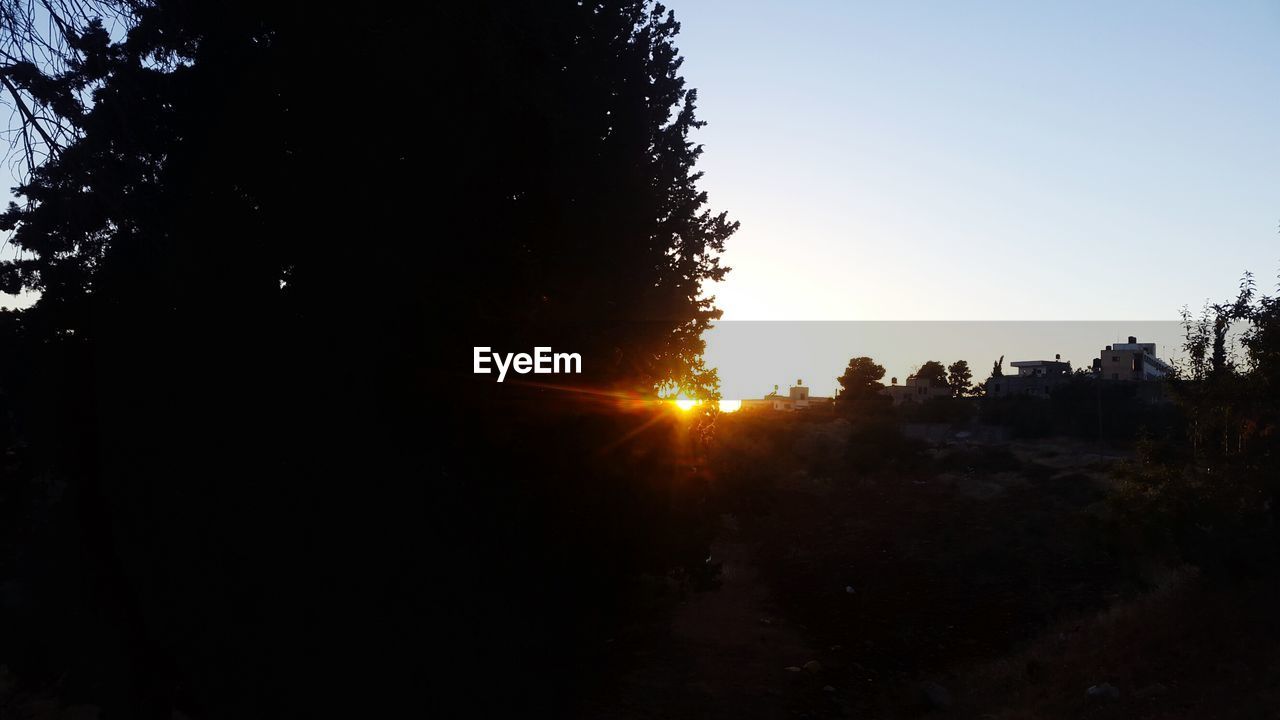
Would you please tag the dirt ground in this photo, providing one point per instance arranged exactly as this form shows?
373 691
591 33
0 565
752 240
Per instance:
982 588
717 654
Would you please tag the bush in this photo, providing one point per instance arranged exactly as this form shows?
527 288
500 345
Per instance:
950 410
879 444
1080 406
1220 519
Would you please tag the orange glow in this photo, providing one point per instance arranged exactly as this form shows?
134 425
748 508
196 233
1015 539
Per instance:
626 401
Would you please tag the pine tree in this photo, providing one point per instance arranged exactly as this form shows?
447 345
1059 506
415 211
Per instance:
265 242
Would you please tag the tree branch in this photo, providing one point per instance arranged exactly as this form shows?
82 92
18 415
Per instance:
28 116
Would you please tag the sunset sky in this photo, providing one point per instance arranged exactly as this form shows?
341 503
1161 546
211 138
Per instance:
978 161
988 160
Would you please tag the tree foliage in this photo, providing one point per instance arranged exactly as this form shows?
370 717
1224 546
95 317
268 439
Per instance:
932 372
960 378
1211 494
861 392
46 73
265 241
1227 384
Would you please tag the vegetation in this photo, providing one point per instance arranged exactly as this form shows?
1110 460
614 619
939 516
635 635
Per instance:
960 378
248 369
932 372
1207 494
1115 414
247 470
1007 577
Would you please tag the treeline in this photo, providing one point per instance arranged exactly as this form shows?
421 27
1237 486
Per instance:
1086 408
1203 488
1078 407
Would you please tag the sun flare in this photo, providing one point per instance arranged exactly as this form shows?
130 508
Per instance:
688 404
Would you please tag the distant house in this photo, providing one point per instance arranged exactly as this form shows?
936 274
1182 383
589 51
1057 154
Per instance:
1130 361
1035 378
797 398
916 390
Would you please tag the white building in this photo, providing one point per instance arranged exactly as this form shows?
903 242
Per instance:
797 398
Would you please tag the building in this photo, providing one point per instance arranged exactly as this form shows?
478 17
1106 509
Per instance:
1035 378
797 398
1130 361
916 390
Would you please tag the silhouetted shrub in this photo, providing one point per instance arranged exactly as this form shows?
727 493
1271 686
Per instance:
951 410
878 445
1086 408
1219 518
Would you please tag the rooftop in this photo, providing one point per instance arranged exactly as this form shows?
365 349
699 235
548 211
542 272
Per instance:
1036 363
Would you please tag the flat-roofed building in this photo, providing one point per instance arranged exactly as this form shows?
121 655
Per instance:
797 398
1130 361
1035 378
916 390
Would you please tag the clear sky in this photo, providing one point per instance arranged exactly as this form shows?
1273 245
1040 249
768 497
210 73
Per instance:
983 161
988 160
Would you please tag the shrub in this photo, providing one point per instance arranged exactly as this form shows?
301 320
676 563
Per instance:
1220 518
879 444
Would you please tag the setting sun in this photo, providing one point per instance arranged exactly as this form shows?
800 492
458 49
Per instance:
725 406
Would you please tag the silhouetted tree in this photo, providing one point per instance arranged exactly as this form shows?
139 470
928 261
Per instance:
43 77
932 372
1212 491
259 260
960 378
861 392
